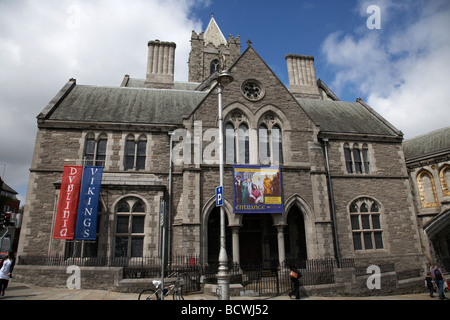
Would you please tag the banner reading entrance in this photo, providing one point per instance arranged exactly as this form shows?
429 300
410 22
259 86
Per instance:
88 205
66 213
257 189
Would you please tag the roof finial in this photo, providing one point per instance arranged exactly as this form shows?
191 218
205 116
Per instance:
249 43
212 14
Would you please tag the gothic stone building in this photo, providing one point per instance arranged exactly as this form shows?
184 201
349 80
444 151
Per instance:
345 186
428 161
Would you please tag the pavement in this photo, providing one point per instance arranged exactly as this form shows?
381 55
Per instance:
20 291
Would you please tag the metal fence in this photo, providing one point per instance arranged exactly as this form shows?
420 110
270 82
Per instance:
269 278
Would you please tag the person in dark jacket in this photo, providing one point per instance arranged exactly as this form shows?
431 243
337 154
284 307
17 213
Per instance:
295 275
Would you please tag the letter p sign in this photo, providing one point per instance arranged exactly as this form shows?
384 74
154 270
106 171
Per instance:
219 196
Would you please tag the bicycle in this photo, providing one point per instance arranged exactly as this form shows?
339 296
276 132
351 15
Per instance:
152 294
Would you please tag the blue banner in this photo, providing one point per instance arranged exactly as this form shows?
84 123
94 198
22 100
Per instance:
88 205
257 189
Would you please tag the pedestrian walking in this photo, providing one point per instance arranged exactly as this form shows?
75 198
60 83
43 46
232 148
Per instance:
429 284
294 275
439 279
6 269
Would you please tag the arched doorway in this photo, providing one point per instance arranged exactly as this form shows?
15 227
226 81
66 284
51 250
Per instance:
257 239
295 236
214 237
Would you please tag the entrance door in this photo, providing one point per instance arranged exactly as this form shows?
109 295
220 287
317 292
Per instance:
214 237
250 247
295 236
257 239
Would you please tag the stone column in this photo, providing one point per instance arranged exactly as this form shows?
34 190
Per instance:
281 249
235 240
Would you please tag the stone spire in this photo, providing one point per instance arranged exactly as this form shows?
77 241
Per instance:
213 34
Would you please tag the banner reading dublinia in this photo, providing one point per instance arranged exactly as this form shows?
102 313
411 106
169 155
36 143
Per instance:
76 216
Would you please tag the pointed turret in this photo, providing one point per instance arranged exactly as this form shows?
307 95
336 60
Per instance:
213 34
211 52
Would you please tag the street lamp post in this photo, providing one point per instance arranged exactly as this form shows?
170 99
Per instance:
223 276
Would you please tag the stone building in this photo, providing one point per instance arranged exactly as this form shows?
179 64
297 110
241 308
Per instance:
345 185
428 161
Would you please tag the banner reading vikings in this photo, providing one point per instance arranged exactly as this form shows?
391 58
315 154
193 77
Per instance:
88 205
66 213
257 189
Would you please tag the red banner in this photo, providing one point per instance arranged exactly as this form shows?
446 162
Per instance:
66 215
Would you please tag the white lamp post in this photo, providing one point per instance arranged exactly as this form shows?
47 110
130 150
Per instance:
223 276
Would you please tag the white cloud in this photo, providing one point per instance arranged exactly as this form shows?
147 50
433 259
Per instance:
403 69
45 43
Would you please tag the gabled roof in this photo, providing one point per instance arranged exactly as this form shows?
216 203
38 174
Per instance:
430 144
346 117
168 106
8 189
124 105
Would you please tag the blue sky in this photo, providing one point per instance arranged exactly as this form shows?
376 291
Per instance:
277 28
401 70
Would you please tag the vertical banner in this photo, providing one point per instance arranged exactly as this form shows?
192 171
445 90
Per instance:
88 205
66 213
257 189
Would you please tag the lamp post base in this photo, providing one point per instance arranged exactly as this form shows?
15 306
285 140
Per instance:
223 284
223 276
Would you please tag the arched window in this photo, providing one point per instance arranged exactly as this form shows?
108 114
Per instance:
230 144
264 144
427 189
129 231
270 140
365 155
365 219
95 150
357 158
444 176
244 146
237 139
89 150
135 153
277 145
129 153
101 150
215 66
348 158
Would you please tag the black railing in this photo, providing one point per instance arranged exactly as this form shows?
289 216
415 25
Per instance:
269 278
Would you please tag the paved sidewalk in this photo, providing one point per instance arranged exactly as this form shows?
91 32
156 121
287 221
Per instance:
19 291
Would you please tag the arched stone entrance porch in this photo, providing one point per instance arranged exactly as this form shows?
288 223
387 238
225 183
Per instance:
261 237
438 232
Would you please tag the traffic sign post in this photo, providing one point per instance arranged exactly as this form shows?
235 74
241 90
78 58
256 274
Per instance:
219 196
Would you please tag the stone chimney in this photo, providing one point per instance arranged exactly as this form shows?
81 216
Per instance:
302 76
160 64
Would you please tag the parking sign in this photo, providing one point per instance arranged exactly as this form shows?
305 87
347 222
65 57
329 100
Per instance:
219 196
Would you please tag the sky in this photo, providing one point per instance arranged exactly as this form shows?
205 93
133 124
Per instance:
395 55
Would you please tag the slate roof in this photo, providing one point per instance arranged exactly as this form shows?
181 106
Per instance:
167 106
427 144
126 105
346 117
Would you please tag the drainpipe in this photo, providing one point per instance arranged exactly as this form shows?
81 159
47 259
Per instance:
333 211
169 227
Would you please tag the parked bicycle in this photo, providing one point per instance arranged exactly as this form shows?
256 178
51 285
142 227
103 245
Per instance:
174 289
